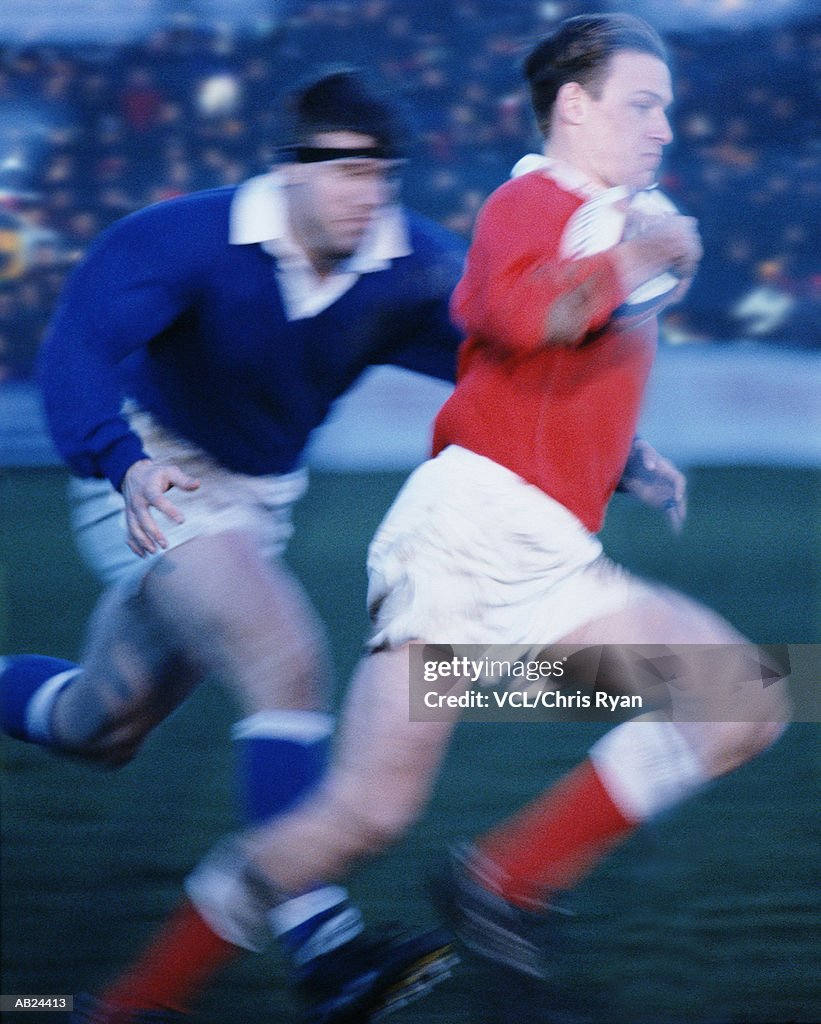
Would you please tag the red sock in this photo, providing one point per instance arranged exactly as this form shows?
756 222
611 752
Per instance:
176 965
557 839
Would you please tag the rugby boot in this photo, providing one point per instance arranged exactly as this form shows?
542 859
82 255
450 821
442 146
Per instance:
487 924
372 976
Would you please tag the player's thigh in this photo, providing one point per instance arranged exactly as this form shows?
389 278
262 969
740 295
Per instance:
246 616
654 614
727 695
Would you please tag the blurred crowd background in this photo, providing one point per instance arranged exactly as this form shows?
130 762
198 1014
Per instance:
91 130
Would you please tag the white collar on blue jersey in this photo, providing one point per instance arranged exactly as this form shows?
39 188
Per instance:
258 216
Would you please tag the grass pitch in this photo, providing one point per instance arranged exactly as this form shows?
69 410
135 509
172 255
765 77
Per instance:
710 915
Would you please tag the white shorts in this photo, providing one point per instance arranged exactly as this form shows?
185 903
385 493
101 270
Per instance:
469 553
261 505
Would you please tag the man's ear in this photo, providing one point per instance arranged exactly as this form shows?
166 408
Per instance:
571 103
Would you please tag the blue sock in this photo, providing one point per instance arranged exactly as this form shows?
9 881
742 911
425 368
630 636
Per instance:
313 924
29 685
282 755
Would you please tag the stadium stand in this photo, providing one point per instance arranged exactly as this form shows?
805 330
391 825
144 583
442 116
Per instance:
91 132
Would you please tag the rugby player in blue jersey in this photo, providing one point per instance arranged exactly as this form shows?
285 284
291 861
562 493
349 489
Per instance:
190 357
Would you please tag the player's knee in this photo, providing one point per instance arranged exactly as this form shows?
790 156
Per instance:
760 736
112 747
275 666
379 832
769 712
84 731
303 661
735 743
378 821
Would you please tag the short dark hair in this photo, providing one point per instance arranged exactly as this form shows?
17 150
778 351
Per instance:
344 99
580 51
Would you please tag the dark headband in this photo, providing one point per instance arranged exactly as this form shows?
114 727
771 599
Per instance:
314 154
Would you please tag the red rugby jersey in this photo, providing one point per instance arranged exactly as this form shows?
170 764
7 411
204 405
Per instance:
561 417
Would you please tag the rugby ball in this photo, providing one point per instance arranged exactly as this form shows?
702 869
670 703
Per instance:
599 224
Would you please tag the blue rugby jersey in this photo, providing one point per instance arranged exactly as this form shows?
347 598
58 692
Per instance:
165 310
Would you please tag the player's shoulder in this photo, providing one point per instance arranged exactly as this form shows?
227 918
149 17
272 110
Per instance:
205 208
194 215
172 237
428 234
437 255
528 198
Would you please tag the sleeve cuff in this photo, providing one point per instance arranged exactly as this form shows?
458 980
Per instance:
115 461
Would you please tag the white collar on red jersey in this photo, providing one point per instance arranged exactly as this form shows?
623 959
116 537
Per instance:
565 175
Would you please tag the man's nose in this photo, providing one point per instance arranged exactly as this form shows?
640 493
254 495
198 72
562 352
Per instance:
661 128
